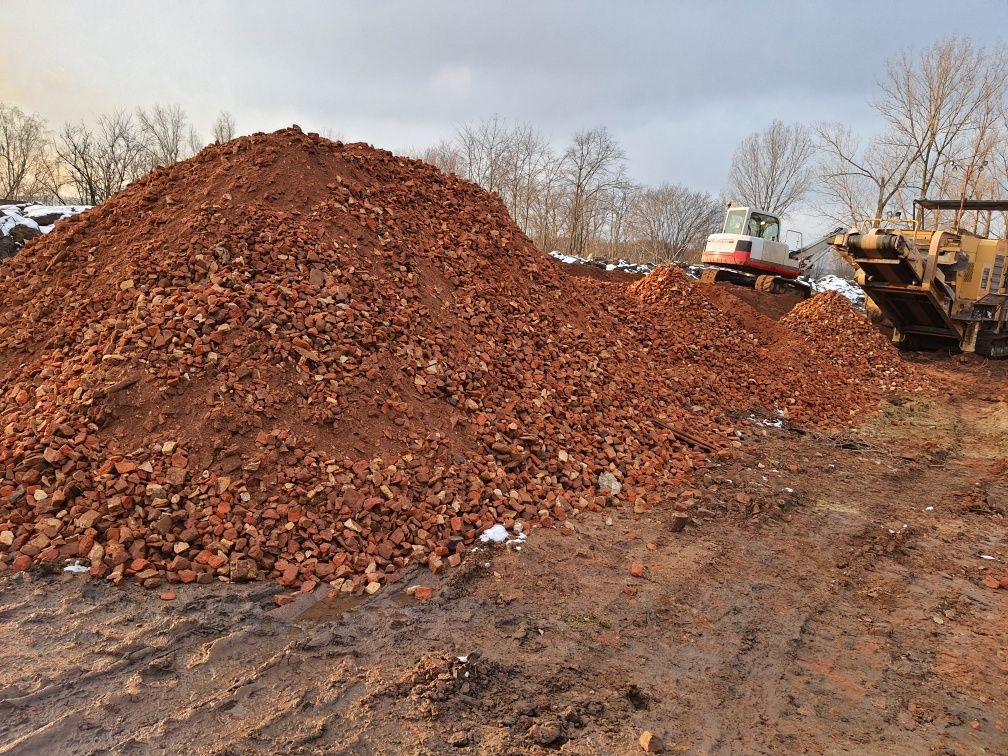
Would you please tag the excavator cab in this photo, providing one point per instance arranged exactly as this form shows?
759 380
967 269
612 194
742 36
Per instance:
743 221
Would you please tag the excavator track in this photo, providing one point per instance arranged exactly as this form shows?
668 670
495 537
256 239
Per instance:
990 346
709 276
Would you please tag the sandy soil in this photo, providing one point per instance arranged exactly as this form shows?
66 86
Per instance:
830 600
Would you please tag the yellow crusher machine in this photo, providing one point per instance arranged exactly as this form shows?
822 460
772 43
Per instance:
937 287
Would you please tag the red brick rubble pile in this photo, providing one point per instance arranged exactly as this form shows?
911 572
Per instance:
829 327
811 367
301 360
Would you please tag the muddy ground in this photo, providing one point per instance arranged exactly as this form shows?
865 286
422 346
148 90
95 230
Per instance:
828 597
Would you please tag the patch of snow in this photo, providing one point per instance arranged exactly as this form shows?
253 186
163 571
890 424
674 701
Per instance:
499 534
12 216
76 568
764 422
695 271
849 289
621 265
496 534
36 211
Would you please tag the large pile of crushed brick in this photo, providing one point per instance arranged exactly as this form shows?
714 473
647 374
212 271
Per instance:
296 359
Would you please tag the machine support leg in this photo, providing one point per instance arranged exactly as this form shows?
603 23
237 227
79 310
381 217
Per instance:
969 339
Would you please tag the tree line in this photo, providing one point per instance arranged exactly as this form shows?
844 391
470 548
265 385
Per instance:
579 200
86 164
942 132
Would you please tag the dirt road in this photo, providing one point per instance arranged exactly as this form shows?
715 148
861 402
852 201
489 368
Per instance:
830 600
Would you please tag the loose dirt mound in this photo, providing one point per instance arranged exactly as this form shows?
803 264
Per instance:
303 360
752 316
772 306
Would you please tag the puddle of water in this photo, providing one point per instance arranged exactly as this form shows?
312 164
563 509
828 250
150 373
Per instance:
318 608
329 610
401 598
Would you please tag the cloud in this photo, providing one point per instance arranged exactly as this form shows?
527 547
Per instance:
452 81
679 84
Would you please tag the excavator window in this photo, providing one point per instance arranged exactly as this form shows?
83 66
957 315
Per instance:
758 225
735 221
764 226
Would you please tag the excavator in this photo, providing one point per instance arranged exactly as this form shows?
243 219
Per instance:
937 287
748 252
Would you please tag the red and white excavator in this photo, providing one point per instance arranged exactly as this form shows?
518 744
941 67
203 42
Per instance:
749 252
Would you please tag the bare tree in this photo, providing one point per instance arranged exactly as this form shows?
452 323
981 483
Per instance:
98 162
580 200
672 221
619 204
445 156
523 164
861 184
223 128
772 169
938 104
22 152
546 211
998 174
484 149
511 160
164 131
591 165
194 141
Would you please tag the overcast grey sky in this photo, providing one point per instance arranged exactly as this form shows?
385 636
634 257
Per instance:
678 83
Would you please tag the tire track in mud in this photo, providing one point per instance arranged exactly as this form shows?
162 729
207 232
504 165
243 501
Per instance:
811 630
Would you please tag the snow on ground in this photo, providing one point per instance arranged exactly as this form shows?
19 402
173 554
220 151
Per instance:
18 223
849 289
8 222
31 212
629 267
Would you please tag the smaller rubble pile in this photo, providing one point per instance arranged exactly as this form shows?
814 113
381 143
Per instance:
828 326
666 284
849 289
822 363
